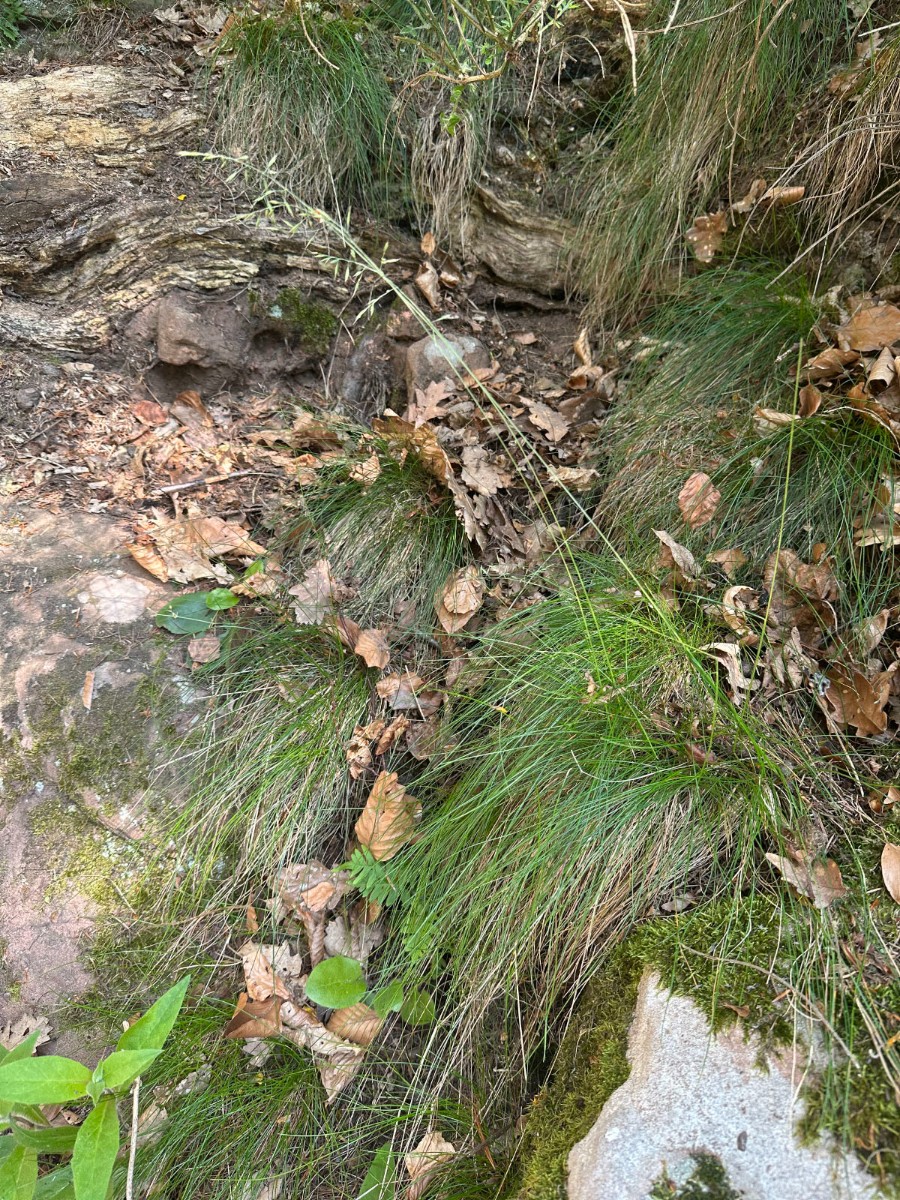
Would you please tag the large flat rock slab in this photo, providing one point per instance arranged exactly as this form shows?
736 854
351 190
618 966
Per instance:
84 677
692 1095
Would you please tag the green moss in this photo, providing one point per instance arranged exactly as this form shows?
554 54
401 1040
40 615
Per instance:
590 1065
83 856
707 1181
314 325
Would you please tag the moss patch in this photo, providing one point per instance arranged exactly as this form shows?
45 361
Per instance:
293 314
591 1064
707 1181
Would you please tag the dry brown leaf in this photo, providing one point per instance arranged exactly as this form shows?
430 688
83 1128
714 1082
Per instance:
698 500
525 339
582 347
853 700
255 1018
578 479
338 1070
421 440
428 283
267 967
820 882
801 595
311 887
890 869
480 474
829 364
372 647
358 1024
315 595
676 557
729 655
781 197
87 690
872 327
883 372
423 738
873 630
428 402
706 235
185 546
400 691
146 556
428 245
189 409
543 417
395 730
883 799
810 400
460 599
730 560
205 648
389 818
366 472
423 1162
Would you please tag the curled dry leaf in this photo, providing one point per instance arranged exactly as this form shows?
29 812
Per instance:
698 500
266 967
782 197
428 283
820 882
872 327
883 372
423 738
767 420
358 1024
460 599
890 869
389 818
883 799
255 1018
736 603
371 646
204 649
853 700
678 558
428 245
366 472
706 235
730 560
186 545
390 735
422 1163
810 399
874 629
315 595
582 347
729 655
828 364
586 377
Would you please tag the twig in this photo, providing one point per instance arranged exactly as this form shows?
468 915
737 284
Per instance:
194 483
132 1149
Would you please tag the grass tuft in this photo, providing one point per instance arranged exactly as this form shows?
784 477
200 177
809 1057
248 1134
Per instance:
714 91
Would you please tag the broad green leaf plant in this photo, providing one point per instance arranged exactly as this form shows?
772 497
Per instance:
93 1147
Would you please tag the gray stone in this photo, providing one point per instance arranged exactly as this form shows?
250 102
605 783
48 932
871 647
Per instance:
444 357
82 764
693 1093
201 332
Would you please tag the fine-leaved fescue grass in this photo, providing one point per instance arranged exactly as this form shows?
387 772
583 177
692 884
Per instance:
714 91
727 345
307 98
576 793
393 541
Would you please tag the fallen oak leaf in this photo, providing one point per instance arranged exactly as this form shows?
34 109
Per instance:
366 472
730 560
698 500
678 558
852 699
819 882
372 647
389 818
316 595
890 870
390 735
424 1161
460 599
872 327
204 649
